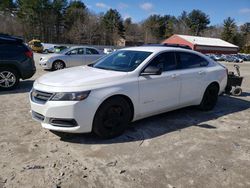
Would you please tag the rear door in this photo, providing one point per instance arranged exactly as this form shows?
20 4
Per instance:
193 73
160 92
91 55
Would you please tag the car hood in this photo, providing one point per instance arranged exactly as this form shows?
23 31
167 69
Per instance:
79 77
47 56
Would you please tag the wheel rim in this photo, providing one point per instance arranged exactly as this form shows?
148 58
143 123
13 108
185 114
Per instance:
113 118
7 79
58 65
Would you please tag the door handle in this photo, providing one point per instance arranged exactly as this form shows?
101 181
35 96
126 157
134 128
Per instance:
174 75
201 72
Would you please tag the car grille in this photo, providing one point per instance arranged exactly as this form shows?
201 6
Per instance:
40 96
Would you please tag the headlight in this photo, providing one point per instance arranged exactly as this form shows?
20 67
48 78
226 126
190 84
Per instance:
74 96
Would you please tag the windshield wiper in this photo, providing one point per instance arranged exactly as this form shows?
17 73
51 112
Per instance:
105 68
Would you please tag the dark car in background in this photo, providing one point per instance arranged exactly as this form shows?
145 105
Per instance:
16 62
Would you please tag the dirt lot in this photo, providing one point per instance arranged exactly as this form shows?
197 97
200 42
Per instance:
184 148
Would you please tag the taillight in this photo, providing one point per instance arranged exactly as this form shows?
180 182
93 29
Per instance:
29 54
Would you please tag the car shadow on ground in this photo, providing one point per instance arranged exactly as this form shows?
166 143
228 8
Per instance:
23 87
245 94
165 123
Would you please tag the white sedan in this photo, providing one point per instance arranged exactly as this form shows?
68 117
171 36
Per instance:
70 57
126 86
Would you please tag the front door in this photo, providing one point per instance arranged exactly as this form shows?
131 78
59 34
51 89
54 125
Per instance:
75 57
160 93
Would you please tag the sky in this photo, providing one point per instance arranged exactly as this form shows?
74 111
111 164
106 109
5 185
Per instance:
139 10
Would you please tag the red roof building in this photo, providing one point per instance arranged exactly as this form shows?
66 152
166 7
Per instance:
204 44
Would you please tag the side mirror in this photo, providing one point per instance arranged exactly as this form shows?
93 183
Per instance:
151 70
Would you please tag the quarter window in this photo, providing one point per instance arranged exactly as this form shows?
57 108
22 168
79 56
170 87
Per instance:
166 61
188 60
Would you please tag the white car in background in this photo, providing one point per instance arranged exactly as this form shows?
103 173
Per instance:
70 57
127 85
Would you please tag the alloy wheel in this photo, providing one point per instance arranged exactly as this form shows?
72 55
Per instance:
58 65
7 79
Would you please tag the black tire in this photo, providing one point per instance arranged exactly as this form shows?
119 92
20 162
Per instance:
210 98
9 78
58 65
237 91
112 118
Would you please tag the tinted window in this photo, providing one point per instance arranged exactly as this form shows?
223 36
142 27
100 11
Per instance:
10 51
188 60
166 61
91 51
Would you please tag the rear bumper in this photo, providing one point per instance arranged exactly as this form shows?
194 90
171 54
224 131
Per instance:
27 69
28 73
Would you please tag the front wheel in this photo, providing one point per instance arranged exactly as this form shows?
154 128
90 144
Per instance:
9 79
112 118
210 98
58 65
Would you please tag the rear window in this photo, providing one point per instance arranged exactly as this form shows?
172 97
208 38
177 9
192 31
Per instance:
37 44
10 51
189 60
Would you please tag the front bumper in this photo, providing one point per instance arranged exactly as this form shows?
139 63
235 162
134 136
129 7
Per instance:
82 112
45 64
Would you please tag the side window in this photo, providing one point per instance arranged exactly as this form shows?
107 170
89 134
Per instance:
91 51
80 51
166 61
189 60
73 52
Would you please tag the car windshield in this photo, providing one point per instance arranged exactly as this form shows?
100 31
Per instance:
123 60
63 51
37 44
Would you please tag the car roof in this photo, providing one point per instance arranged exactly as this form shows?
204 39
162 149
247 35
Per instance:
156 49
10 39
82 47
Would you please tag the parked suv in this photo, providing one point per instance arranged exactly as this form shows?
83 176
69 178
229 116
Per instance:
16 62
125 86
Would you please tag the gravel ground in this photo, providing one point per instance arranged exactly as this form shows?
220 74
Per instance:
184 148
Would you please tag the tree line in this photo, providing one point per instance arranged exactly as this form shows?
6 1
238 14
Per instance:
63 21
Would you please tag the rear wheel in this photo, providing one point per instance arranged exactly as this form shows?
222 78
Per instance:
210 98
112 118
9 78
57 65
